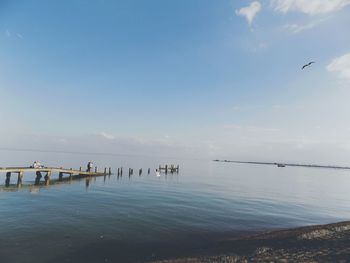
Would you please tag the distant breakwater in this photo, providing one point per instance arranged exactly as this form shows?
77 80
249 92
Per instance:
281 164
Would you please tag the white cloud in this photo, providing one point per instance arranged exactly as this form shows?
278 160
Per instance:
341 66
249 129
107 136
296 28
250 11
259 47
9 34
310 7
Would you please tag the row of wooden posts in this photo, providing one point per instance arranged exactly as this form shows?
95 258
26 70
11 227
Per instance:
131 171
166 169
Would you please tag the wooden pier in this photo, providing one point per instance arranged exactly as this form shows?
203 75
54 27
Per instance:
46 176
47 172
171 168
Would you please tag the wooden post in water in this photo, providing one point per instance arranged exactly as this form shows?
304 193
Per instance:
109 171
177 169
19 179
118 172
121 171
47 178
149 170
166 169
8 179
38 177
96 169
140 172
105 172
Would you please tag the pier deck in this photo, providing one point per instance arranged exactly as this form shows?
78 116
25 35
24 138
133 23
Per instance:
48 169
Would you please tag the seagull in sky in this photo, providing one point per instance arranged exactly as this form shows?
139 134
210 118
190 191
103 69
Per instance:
308 64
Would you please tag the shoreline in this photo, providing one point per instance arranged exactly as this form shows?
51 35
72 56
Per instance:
316 243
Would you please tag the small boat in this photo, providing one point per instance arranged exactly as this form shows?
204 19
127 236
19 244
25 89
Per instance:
280 165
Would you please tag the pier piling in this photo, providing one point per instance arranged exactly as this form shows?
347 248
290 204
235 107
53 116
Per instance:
47 178
38 177
8 178
19 178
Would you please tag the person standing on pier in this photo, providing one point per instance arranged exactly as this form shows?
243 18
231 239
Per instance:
89 167
37 165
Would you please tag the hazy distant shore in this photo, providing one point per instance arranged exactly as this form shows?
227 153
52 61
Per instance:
319 243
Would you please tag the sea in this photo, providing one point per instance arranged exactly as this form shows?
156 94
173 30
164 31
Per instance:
141 218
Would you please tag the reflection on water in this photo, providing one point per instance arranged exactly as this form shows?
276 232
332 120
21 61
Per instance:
140 216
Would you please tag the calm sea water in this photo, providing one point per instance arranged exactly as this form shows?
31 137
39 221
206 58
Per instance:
140 218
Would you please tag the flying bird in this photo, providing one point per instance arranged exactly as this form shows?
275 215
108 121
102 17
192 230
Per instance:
308 64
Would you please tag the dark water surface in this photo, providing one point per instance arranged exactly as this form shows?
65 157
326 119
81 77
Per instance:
122 219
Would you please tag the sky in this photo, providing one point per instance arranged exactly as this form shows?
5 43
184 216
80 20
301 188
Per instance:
184 78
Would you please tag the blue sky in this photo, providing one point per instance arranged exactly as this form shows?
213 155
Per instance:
207 78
